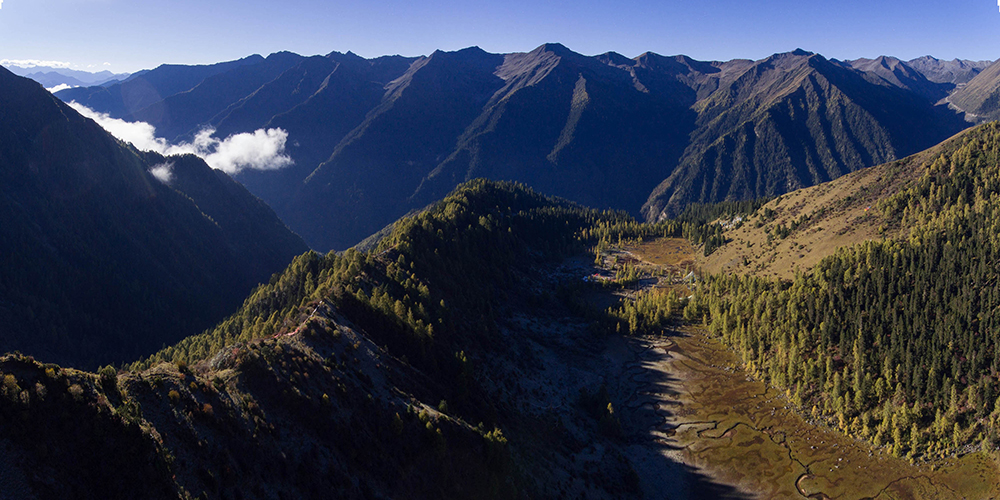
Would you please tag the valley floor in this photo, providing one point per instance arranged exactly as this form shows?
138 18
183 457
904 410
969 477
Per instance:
702 410
699 426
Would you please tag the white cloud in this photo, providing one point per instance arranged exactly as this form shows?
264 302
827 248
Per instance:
31 63
260 150
164 172
57 88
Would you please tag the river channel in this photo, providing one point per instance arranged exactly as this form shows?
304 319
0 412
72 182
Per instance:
693 403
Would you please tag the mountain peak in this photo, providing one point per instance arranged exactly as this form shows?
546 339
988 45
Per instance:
469 56
555 48
790 60
615 59
347 57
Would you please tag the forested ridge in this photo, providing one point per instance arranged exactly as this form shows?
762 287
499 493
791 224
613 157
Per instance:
470 246
360 371
467 246
894 341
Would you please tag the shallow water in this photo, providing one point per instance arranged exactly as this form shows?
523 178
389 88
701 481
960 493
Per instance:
696 405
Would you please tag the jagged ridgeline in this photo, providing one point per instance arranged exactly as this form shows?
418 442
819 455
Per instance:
350 373
894 341
373 139
461 255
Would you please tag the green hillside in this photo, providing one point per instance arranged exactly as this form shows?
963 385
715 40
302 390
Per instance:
894 341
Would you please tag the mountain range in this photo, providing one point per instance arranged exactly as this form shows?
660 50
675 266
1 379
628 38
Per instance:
470 354
481 347
373 139
51 77
109 251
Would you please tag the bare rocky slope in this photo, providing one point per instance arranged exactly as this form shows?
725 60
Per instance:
980 98
373 139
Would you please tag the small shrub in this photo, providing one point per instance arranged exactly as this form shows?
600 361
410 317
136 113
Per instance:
174 396
10 388
76 391
109 376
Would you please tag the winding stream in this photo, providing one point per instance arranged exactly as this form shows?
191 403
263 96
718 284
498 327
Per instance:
696 405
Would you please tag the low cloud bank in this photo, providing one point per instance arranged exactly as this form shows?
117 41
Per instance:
259 150
61 86
33 63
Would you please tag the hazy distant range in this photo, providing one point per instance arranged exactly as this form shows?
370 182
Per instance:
51 77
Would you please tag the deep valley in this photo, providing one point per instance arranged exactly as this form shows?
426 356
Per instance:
531 275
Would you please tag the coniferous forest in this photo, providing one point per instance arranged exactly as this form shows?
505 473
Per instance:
893 341
498 343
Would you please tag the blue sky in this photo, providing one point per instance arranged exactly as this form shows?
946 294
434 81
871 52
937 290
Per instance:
130 35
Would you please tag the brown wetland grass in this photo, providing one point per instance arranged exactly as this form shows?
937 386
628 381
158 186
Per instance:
714 416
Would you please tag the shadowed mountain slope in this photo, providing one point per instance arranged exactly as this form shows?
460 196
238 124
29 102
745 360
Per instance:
174 115
374 139
325 111
145 88
956 71
438 365
795 120
102 261
980 98
900 74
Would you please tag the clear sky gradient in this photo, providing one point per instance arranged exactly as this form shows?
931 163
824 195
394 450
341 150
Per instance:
130 35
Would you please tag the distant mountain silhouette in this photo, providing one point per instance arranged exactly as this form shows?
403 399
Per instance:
174 115
956 71
374 139
145 88
102 261
50 77
900 74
